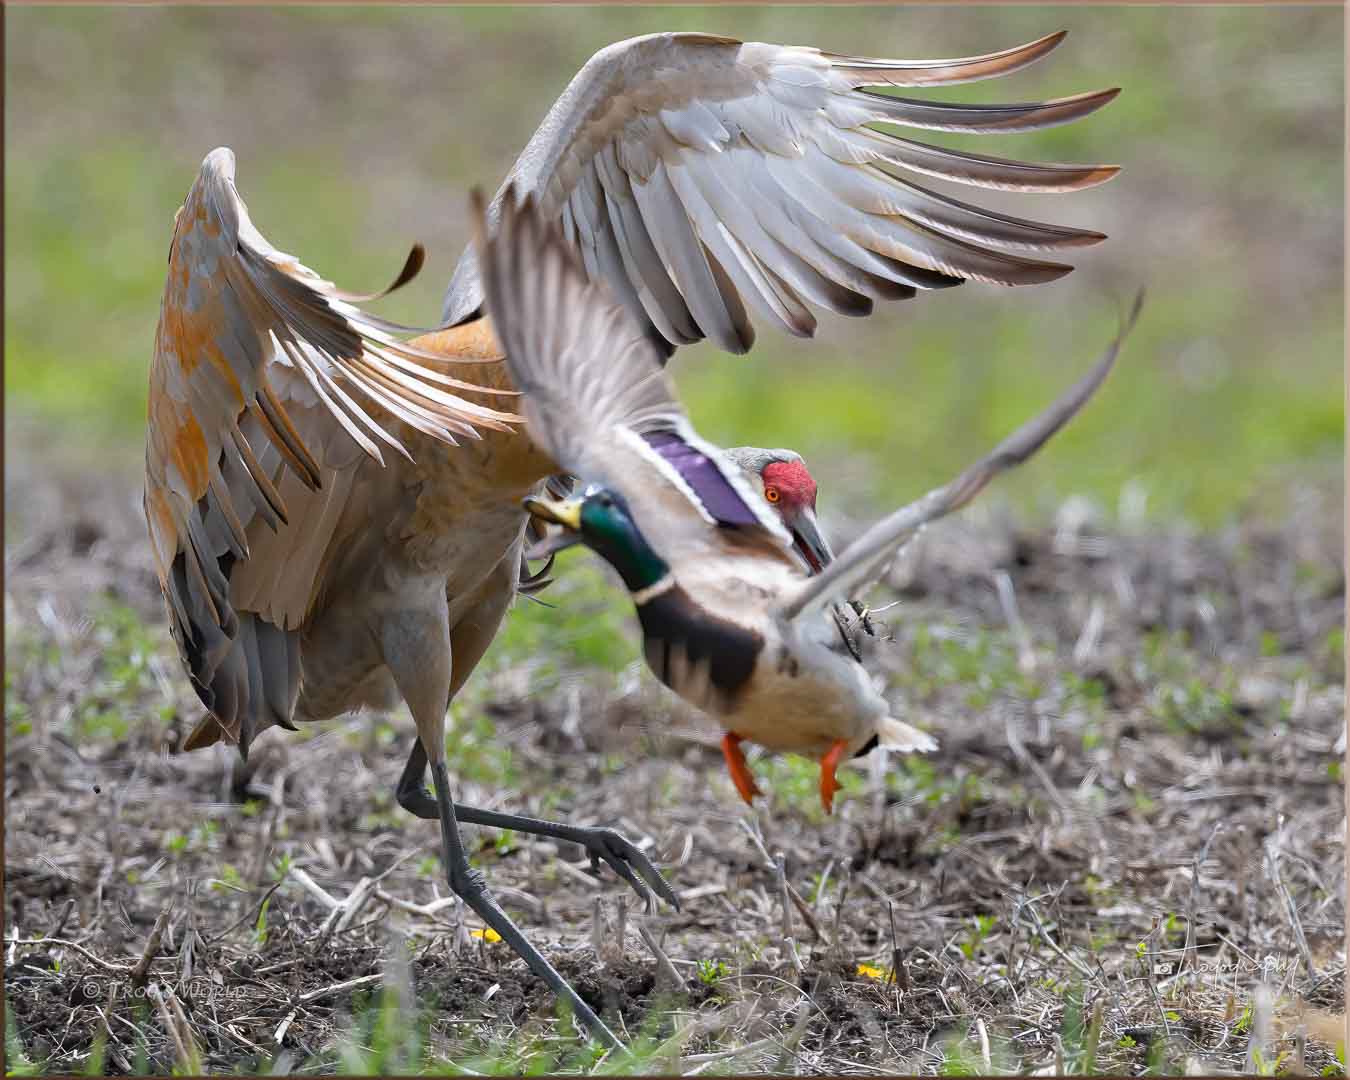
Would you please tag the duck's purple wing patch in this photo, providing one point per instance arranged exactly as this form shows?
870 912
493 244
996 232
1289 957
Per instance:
705 477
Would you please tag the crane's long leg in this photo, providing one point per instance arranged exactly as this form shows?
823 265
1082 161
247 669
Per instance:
601 844
468 884
416 646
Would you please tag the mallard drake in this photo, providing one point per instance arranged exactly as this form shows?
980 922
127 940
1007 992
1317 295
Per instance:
336 512
730 619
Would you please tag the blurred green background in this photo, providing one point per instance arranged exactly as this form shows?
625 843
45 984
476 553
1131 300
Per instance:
359 130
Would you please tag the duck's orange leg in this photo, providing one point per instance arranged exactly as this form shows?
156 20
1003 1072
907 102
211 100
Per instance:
828 784
740 771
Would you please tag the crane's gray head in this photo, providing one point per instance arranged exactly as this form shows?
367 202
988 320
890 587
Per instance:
787 485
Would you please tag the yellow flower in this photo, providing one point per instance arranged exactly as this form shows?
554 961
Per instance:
488 934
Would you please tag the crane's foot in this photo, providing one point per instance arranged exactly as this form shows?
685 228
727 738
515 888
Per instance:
601 844
468 884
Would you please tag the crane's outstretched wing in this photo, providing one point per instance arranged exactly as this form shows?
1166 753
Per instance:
703 178
594 394
858 565
241 327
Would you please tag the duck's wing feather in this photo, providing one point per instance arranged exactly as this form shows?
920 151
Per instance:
263 375
594 394
705 178
863 561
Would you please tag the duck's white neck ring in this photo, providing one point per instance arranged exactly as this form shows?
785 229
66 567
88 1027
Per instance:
651 592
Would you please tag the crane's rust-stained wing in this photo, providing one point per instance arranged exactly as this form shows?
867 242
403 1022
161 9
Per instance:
704 179
596 399
220 439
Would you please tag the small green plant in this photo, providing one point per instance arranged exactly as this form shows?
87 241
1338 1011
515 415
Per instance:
17 721
230 879
260 926
972 940
1082 690
1194 707
710 972
1334 649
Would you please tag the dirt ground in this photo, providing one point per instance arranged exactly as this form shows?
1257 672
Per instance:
1128 851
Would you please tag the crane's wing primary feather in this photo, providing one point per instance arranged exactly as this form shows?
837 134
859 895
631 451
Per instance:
706 179
594 394
858 565
242 326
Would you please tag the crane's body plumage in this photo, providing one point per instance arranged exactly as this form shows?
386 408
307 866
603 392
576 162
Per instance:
452 528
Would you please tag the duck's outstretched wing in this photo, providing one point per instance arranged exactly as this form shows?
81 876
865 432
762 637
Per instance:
263 374
859 565
704 178
594 394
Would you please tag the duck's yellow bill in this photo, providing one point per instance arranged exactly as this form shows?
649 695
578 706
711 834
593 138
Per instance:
566 513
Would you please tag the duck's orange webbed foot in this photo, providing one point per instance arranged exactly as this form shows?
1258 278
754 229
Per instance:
740 771
828 784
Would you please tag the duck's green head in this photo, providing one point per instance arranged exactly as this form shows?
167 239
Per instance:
603 522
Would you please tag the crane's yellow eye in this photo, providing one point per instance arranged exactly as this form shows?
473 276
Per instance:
771 493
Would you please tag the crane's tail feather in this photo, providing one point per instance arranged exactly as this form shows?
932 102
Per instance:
252 684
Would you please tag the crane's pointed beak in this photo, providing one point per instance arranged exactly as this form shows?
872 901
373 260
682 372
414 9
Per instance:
564 512
808 542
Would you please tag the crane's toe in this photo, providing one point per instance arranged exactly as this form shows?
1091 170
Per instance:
628 861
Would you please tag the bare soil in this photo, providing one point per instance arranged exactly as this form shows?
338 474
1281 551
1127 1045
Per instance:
1142 768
